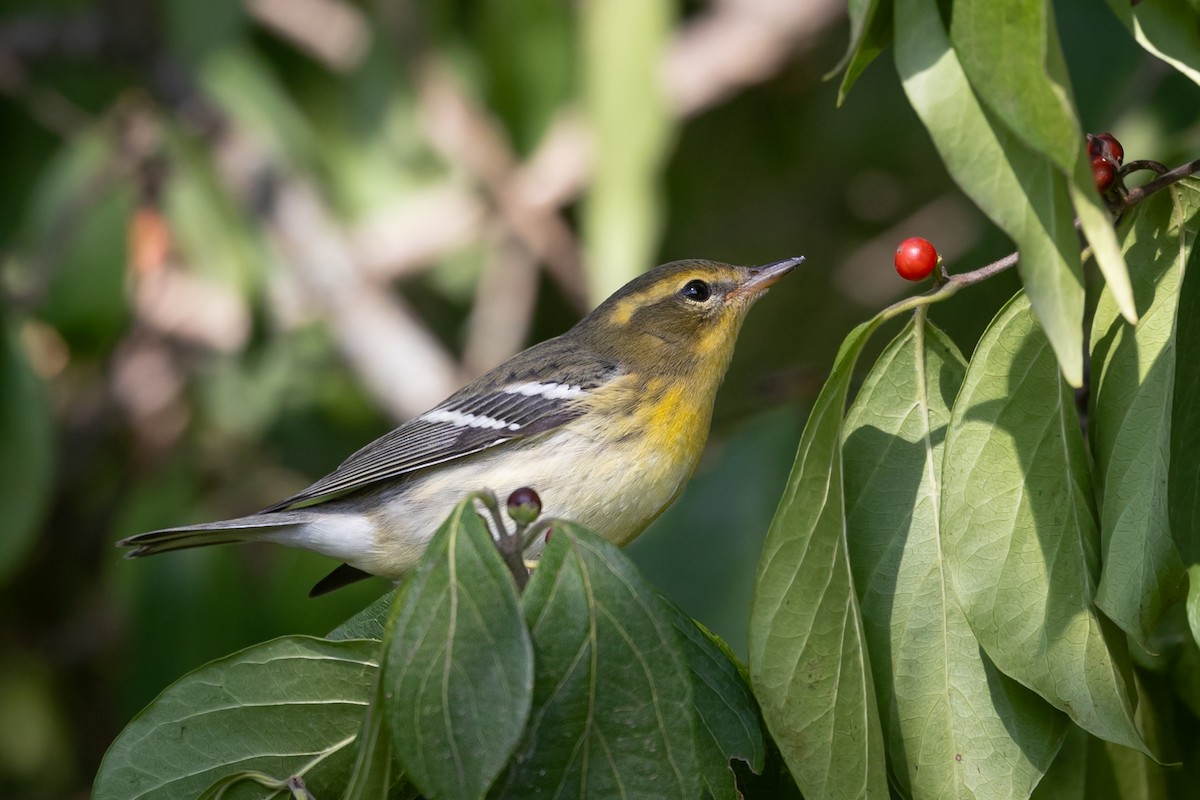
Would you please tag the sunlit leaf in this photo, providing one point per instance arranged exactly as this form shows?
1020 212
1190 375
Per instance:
955 726
459 670
808 657
1133 371
1011 53
1020 190
291 706
612 707
1020 530
1167 29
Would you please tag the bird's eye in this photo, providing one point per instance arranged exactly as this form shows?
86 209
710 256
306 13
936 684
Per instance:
697 290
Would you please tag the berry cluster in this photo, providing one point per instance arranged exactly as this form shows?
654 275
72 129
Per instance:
1106 154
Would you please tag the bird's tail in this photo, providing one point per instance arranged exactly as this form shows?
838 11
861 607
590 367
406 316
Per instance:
227 531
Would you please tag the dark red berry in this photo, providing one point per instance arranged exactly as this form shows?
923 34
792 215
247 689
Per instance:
915 259
1103 173
524 505
1109 146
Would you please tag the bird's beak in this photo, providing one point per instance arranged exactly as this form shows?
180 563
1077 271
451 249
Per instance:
762 277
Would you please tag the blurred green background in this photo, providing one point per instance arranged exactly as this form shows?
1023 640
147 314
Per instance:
239 239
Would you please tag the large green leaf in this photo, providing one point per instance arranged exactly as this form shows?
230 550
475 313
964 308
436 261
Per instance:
1011 53
1133 368
1020 532
955 726
459 669
728 725
612 706
1019 189
1167 29
26 459
1183 489
808 655
292 706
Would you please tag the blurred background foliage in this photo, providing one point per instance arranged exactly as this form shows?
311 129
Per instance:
241 238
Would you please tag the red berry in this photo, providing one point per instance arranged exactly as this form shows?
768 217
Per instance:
1115 151
1103 173
915 259
1106 146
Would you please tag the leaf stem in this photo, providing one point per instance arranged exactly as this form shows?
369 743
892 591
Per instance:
509 544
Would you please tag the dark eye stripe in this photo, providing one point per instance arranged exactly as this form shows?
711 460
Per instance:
696 290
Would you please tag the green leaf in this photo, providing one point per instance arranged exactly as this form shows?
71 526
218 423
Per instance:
955 726
870 33
1011 54
221 787
1134 369
370 623
291 706
1019 189
612 706
1167 29
1183 481
1020 530
1193 602
372 773
459 671
26 459
1119 773
808 659
1066 778
728 725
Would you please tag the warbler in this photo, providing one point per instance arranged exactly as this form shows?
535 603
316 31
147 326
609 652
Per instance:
606 422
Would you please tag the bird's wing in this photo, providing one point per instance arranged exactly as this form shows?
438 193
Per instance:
466 423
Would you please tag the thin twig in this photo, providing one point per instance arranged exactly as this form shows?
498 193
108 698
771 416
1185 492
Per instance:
1140 193
950 287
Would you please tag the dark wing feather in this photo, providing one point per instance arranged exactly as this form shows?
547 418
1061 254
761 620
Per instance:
440 435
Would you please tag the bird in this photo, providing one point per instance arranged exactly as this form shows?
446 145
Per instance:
606 422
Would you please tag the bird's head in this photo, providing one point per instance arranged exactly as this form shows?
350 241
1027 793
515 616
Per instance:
680 316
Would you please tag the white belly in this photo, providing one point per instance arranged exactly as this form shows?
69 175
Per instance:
385 531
